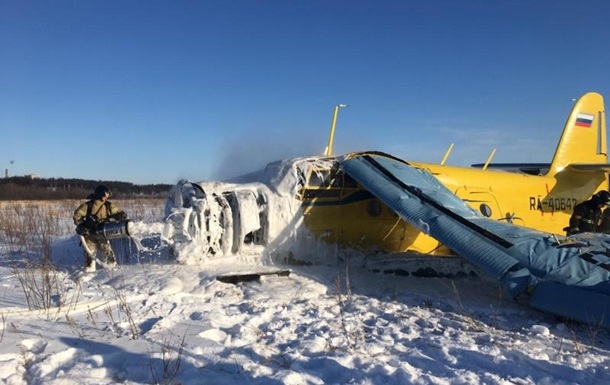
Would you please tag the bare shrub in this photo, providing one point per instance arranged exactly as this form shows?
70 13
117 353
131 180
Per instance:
126 309
40 285
171 359
351 324
28 232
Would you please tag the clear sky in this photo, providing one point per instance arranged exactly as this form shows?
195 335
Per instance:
154 91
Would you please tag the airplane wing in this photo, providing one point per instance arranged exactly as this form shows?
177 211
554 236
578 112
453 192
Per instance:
541 168
569 278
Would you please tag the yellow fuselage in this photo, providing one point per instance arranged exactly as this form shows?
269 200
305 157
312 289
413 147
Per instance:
340 211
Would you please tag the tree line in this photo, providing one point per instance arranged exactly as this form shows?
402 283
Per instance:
28 188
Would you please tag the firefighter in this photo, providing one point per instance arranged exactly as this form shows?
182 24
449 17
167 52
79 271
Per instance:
98 209
587 215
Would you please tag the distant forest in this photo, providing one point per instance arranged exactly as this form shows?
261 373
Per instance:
28 188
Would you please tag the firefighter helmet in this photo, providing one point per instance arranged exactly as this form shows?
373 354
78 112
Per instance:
101 191
602 197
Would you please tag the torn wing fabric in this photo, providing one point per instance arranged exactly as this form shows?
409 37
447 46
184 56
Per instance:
419 198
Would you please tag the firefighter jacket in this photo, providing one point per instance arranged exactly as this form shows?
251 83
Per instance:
100 210
585 218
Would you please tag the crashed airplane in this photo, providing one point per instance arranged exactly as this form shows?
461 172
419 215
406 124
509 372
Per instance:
504 219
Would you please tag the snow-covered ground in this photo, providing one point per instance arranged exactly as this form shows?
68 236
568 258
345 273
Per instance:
152 320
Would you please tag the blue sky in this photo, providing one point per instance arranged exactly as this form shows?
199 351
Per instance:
154 91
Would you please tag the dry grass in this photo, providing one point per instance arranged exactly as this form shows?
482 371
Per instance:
27 231
20 219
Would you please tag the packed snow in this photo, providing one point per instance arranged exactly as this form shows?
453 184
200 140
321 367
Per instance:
156 320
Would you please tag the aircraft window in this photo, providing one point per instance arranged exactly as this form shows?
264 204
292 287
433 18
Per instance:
485 210
348 182
328 179
314 179
336 180
319 178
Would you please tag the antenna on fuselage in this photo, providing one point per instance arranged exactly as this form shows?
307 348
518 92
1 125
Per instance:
447 154
331 137
493 152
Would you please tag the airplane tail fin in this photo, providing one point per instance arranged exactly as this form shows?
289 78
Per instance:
583 141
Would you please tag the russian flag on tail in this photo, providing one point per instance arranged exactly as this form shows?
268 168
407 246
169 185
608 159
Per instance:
584 120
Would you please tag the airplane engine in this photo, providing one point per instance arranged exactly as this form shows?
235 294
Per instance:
216 218
260 213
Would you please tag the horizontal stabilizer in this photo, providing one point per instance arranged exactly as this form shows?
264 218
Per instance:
572 302
590 167
541 168
526 168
